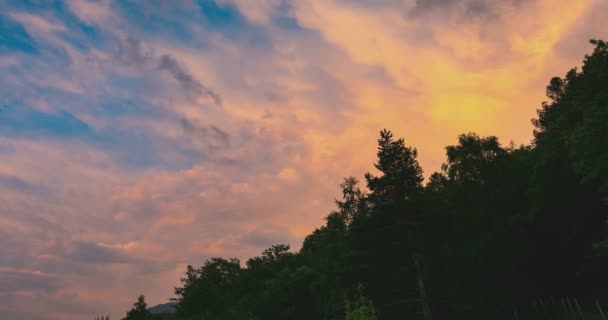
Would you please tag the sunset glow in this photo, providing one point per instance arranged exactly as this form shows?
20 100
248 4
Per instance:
128 128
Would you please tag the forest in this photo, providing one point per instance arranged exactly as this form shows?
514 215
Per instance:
500 232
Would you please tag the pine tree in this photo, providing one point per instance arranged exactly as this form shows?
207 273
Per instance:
402 174
139 310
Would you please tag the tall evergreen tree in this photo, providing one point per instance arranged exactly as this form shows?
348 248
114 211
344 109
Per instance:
401 176
139 310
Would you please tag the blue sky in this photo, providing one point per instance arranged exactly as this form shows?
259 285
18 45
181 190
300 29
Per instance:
137 137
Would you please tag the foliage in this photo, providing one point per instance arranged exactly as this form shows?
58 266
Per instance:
401 174
139 310
360 308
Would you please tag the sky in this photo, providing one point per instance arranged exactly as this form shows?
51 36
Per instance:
137 137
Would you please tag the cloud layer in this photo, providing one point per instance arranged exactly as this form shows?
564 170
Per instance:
139 137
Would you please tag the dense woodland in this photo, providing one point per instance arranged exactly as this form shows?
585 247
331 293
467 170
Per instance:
500 232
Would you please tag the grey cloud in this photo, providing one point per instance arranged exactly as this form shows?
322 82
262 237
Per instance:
211 134
131 53
426 6
18 184
91 253
12 281
50 305
271 91
20 314
375 4
12 251
6 148
266 236
153 266
221 134
470 8
186 80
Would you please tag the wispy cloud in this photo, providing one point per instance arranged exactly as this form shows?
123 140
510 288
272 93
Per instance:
185 79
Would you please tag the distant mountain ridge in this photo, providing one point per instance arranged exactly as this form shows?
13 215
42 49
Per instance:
164 308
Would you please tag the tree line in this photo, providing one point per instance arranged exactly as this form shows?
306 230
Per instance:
494 232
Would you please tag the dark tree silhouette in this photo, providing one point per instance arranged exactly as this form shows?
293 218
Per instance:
401 176
139 310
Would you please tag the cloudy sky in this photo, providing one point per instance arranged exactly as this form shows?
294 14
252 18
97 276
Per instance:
137 137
